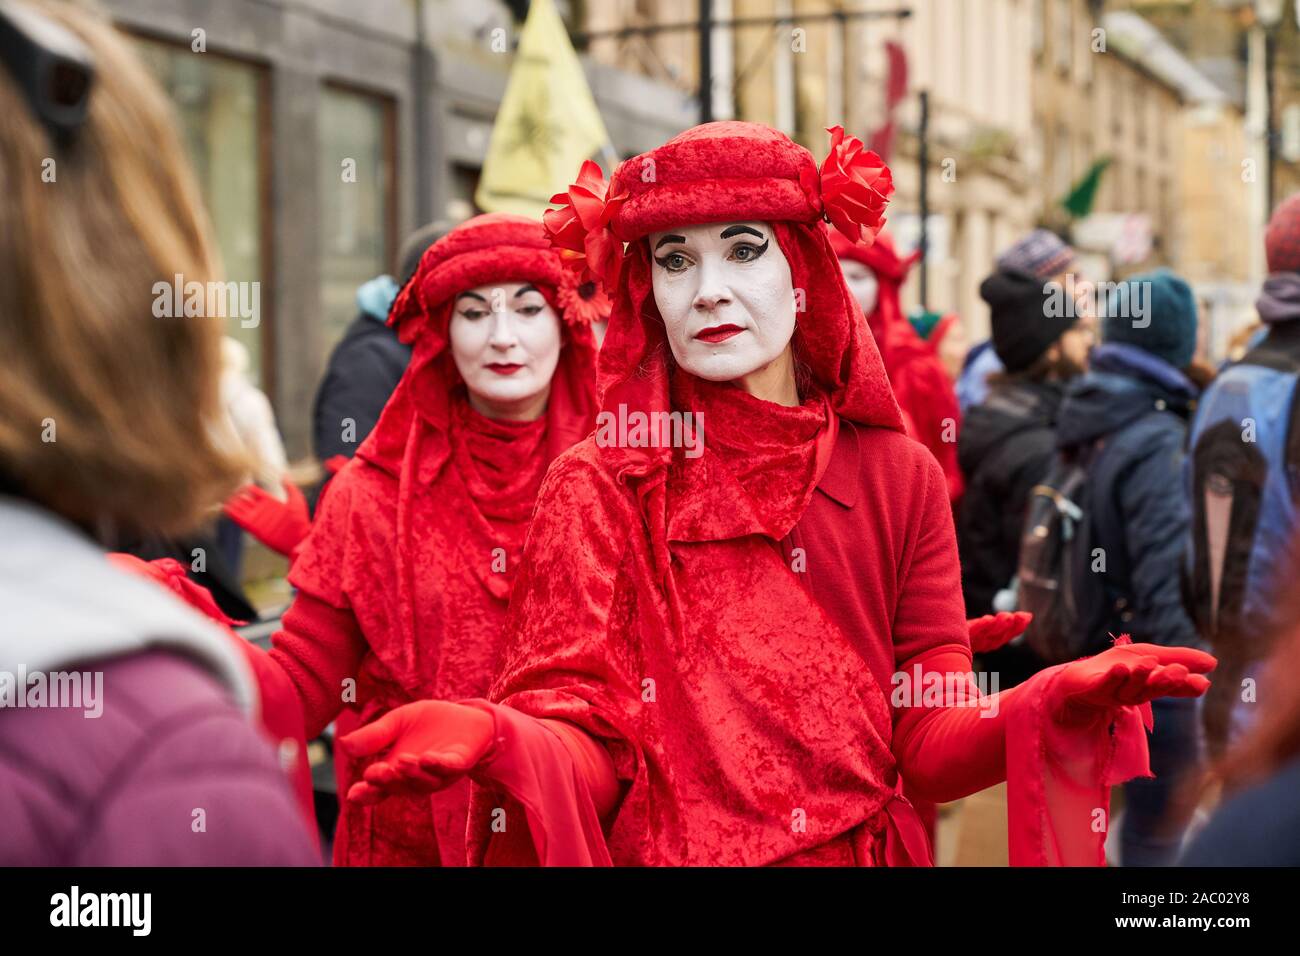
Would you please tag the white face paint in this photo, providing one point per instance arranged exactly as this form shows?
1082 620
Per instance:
862 284
505 340
725 294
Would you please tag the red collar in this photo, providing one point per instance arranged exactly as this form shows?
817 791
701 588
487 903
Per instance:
842 477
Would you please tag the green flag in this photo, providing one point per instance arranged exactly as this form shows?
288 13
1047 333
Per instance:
1079 202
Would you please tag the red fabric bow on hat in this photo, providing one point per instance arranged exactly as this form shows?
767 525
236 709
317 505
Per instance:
855 187
580 228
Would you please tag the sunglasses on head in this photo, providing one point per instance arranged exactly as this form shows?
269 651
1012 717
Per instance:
51 67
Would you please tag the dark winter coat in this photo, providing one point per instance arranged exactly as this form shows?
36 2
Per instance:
1006 445
1260 826
1127 418
363 370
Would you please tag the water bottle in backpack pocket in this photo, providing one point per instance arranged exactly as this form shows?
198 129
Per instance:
1050 552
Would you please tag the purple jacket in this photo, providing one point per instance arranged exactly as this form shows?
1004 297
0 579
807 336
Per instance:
125 736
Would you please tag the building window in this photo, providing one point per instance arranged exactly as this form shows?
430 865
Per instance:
221 104
357 140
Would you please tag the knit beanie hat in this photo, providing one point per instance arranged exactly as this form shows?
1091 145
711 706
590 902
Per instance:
1042 253
1156 312
1282 237
1027 316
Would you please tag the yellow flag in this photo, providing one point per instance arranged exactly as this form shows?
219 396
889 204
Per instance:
547 123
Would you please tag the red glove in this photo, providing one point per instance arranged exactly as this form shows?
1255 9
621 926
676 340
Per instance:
1126 674
280 525
559 775
992 631
430 745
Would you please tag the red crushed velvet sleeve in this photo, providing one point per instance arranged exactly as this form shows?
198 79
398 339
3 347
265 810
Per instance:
318 647
951 741
930 615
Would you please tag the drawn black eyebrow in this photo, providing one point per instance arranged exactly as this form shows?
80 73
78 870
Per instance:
670 238
737 230
525 289
470 295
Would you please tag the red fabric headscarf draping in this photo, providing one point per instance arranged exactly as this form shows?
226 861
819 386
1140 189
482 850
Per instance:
844 375
891 271
432 512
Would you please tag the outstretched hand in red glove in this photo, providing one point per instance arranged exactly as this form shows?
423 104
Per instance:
428 746
1127 674
992 631
280 525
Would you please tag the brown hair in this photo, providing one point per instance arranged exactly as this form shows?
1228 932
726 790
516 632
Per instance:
107 414
1045 368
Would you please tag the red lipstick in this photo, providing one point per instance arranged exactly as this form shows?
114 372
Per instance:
718 333
504 368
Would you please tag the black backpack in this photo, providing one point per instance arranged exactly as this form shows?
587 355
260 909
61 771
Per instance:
1053 562
1072 605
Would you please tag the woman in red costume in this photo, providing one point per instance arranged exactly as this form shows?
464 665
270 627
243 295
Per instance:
734 657
403 583
875 274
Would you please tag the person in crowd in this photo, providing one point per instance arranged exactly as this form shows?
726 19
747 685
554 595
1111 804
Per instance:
670 593
1008 441
405 577
1241 486
368 361
1258 822
1042 253
254 434
1125 422
362 372
108 418
875 275
945 336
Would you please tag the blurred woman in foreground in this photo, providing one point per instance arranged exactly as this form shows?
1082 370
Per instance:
125 734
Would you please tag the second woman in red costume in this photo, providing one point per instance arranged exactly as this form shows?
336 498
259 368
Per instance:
734 657
404 581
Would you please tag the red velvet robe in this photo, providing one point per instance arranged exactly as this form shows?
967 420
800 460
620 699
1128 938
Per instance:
782 751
